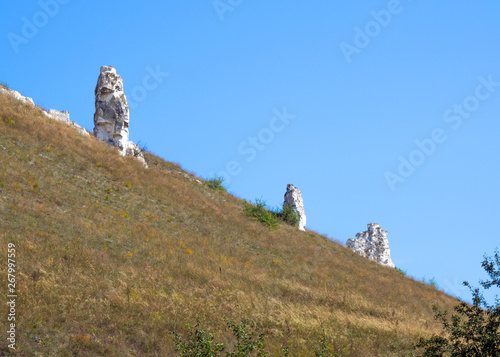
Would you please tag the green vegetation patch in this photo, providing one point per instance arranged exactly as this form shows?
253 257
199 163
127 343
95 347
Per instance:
289 215
262 213
216 183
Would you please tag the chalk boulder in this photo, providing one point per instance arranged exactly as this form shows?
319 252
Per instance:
57 115
372 244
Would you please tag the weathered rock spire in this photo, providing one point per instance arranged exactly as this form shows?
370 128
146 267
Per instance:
372 244
111 118
293 198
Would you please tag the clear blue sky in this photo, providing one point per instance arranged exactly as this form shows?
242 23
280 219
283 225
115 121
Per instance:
364 81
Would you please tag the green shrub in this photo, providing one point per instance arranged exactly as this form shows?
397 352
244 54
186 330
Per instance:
197 343
272 217
260 212
216 183
289 215
247 341
475 329
5 85
431 282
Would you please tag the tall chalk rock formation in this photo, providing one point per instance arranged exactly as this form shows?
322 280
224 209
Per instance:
372 244
293 198
111 118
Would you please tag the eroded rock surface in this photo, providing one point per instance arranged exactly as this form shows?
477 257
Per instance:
17 95
293 198
57 115
64 117
111 118
52 113
372 244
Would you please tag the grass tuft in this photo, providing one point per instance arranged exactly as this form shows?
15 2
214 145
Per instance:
400 271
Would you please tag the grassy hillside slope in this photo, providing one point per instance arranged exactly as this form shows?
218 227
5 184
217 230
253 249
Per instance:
112 258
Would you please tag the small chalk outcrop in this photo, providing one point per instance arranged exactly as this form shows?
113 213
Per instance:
52 113
57 115
64 117
111 118
293 198
17 95
372 244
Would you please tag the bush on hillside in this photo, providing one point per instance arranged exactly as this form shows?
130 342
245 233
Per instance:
216 183
272 217
260 212
431 282
290 216
5 85
197 343
248 341
475 329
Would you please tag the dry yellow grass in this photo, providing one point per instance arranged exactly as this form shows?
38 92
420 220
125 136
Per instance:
113 258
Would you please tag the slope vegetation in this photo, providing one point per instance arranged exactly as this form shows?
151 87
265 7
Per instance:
112 258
